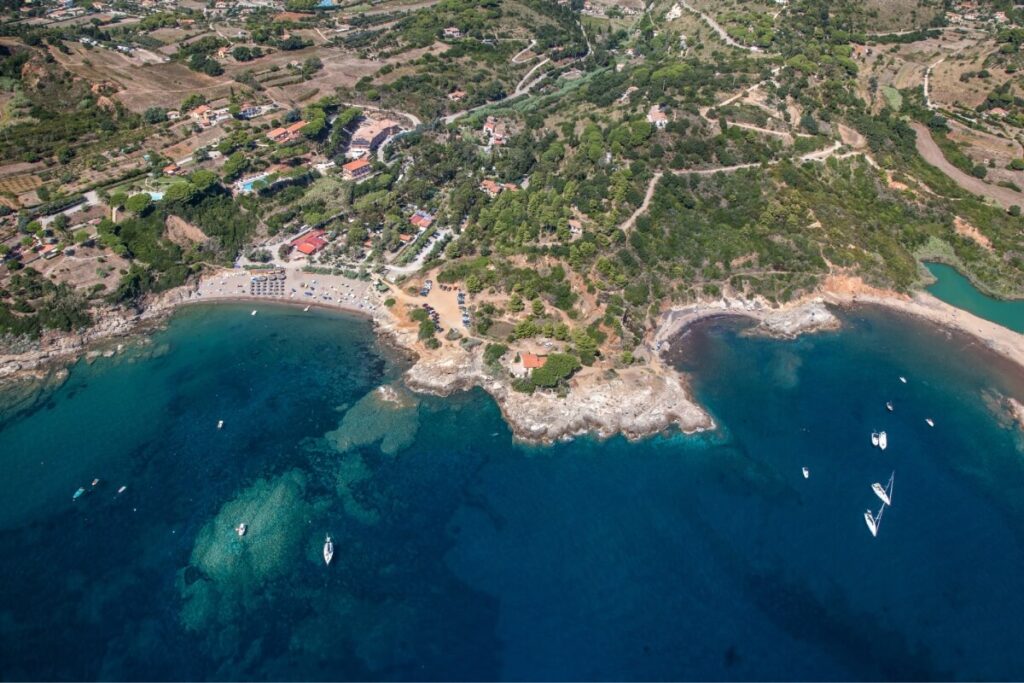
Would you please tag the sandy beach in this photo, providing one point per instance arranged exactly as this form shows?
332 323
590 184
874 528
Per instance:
296 287
810 314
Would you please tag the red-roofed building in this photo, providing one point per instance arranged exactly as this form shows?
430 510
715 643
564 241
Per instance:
289 134
421 219
493 189
310 243
357 169
532 361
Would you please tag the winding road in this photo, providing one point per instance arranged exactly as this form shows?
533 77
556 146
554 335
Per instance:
930 151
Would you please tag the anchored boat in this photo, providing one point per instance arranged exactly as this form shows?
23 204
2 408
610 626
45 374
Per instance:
874 521
883 440
807 473
328 550
874 439
884 493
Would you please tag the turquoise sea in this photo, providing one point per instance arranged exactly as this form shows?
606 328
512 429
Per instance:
461 555
957 290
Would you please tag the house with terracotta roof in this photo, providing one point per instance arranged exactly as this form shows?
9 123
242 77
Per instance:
203 115
354 170
532 361
457 95
495 130
452 33
421 219
493 189
286 135
310 242
656 116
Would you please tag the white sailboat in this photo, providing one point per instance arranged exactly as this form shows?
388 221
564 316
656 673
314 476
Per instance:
241 529
903 379
873 521
869 519
254 311
220 424
931 422
328 550
883 440
884 493
807 473
874 439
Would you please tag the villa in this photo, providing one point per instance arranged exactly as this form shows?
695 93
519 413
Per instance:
368 136
354 170
286 135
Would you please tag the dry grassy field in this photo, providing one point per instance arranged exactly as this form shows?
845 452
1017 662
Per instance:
20 183
901 15
141 85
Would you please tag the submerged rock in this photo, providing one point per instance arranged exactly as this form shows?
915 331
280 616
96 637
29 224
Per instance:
385 415
227 574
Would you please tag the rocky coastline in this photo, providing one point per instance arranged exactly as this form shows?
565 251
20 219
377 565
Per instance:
54 351
636 401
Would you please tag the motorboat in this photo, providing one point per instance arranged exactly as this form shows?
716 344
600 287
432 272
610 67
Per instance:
883 440
931 422
241 529
807 473
220 424
888 406
903 379
328 550
306 309
78 494
253 311
874 439
95 481
122 489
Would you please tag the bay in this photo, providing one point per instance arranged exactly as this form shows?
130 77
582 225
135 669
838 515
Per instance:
460 554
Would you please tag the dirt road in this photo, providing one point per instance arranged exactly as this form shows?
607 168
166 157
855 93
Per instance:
928 149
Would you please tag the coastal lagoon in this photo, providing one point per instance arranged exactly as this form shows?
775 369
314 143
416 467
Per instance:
956 290
462 555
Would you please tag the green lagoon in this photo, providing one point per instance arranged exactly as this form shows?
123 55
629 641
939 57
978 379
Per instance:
957 290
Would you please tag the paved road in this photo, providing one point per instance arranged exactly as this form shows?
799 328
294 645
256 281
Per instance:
927 148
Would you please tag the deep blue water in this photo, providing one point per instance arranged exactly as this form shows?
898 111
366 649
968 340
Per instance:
460 555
